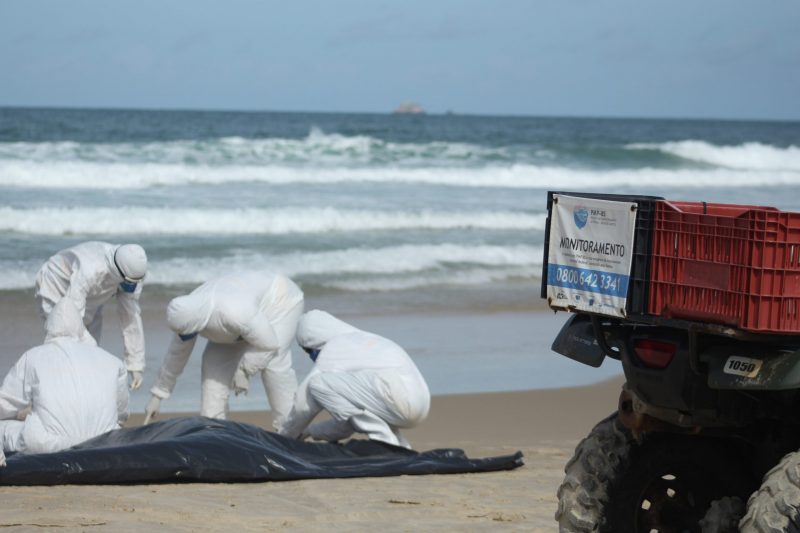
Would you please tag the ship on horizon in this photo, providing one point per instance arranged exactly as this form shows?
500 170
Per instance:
409 108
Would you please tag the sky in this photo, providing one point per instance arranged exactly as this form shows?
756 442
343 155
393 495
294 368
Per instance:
623 58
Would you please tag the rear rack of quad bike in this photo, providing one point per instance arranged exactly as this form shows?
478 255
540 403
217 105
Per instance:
724 270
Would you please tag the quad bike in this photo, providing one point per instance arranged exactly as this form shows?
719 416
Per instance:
705 437
707 429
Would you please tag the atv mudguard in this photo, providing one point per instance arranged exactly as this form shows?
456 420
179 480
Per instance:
577 341
777 368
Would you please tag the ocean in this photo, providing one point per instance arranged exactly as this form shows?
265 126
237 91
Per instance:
393 210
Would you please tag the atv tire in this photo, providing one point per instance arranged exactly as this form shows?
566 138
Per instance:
775 507
665 483
723 516
598 461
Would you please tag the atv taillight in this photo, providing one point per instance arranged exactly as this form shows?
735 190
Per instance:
655 354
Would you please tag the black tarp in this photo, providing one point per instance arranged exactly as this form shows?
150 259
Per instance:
207 450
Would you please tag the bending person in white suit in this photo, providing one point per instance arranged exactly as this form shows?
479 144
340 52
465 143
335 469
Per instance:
250 320
367 383
63 392
90 274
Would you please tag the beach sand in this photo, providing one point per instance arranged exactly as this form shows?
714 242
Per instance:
545 425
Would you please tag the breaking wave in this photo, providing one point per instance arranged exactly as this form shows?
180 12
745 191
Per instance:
325 149
83 175
747 156
389 267
167 221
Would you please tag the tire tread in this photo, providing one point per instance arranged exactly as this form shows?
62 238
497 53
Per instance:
775 507
584 492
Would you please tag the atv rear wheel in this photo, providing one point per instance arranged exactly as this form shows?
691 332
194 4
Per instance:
775 507
665 484
598 459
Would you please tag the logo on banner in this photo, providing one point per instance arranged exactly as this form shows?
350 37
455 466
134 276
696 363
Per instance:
581 216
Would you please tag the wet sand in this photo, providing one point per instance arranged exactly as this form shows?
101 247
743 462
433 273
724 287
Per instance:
458 349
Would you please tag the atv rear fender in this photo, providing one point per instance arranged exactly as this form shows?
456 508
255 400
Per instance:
753 367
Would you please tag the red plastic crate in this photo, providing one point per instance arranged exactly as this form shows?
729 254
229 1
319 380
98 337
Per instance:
730 264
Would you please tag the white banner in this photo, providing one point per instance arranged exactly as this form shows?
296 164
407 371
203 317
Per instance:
590 254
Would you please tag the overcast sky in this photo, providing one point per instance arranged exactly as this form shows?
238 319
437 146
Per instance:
678 58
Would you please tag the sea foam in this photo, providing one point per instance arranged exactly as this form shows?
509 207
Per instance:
345 268
279 221
318 147
83 175
747 156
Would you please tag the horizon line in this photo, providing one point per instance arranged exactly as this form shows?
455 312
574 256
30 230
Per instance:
448 113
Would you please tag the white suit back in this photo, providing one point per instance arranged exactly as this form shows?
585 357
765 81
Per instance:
76 394
232 307
75 390
347 348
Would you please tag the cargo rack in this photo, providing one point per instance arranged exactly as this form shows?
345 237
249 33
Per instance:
719 269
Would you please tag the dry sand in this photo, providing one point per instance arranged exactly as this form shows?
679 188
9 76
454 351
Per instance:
545 425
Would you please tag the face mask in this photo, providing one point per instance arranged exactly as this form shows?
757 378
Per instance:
312 353
128 286
187 337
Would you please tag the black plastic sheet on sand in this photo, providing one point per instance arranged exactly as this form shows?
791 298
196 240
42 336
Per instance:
206 450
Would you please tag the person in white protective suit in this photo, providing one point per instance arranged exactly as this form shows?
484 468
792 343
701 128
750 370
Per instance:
367 383
249 319
63 392
90 274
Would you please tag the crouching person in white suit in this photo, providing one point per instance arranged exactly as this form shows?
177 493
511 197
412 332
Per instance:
249 319
367 383
63 392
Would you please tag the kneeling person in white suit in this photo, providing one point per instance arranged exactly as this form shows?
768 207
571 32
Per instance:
367 383
63 392
249 319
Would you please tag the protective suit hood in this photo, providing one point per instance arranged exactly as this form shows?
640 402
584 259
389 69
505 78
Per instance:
316 328
131 262
65 321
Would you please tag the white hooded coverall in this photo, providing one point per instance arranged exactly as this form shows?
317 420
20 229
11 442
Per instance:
87 275
248 317
367 383
73 389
